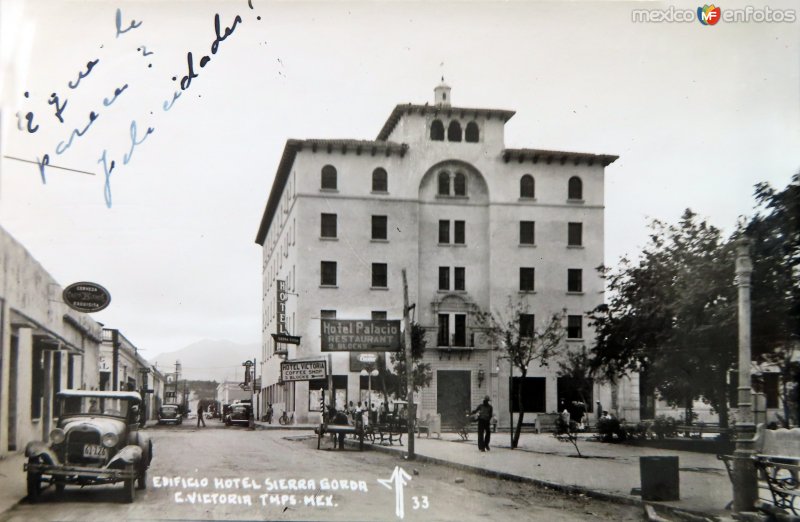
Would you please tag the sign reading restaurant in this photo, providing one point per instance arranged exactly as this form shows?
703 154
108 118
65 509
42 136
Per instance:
303 370
354 335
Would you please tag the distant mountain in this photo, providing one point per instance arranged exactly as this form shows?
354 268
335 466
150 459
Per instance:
209 360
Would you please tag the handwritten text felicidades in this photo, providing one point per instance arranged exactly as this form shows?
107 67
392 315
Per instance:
137 137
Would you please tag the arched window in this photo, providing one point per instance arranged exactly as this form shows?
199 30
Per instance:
380 181
575 188
437 130
460 184
444 183
328 177
454 131
471 134
527 189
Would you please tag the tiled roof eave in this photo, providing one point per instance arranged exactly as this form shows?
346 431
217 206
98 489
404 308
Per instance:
460 112
562 157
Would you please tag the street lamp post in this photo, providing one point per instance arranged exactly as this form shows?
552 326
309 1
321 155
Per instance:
369 375
745 484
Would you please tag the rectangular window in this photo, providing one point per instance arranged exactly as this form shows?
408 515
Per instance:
526 325
378 315
460 335
575 234
574 280
327 314
458 279
444 278
526 277
379 275
527 233
574 327
444 232
379 227
459 233
444 330
771 389
328 273
328 228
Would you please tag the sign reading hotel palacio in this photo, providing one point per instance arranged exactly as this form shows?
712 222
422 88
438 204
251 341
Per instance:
353 335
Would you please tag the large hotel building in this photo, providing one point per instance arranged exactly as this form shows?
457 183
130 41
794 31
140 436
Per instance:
475 225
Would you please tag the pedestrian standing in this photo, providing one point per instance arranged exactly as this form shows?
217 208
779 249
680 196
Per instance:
269 412
200 415
484 412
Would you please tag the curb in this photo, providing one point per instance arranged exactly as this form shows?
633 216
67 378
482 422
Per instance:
679 512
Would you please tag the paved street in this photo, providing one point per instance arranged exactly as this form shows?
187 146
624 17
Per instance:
297 482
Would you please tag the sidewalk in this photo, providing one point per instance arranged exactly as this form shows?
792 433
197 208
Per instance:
12 479
610 472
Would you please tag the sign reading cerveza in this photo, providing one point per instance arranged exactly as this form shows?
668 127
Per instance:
355 335
303 370
86 297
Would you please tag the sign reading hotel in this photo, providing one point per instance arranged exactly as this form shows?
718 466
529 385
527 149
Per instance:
281 294
353 335
303 370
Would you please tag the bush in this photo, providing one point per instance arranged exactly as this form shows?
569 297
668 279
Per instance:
664 427
608 428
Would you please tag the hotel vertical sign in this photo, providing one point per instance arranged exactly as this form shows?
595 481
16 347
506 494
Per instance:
281 306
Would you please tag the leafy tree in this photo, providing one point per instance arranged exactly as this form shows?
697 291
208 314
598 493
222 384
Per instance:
523 344
394 382
672 315
775 283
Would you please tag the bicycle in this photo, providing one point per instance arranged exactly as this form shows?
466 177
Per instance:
284 419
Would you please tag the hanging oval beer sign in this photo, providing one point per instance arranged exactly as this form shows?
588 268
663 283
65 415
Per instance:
86 297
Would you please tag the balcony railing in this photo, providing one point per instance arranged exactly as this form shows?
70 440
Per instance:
462 340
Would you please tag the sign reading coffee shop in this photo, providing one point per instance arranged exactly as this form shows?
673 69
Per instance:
303 370
86 297
353 335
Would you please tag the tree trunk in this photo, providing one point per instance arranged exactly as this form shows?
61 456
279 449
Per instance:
518 430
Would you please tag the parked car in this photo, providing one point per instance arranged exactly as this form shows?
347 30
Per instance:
170 414
96 441
239 413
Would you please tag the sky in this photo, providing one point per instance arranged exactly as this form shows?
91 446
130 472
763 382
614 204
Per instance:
697 113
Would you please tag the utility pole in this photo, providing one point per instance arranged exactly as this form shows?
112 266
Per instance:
409 368
745 483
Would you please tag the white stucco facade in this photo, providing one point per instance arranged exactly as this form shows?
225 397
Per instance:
484 205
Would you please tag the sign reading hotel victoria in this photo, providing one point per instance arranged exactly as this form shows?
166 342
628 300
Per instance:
353 335
303 370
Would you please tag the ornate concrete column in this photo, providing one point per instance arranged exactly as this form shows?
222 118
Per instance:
745 485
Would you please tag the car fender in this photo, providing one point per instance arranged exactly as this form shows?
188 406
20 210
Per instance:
127 455
143 441
41 450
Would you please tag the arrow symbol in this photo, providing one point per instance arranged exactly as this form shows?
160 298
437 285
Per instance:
400 479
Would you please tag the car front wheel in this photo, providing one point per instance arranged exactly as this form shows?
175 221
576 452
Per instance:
34 483
129 488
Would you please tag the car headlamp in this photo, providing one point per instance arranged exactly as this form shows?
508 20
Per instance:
110 440
57 436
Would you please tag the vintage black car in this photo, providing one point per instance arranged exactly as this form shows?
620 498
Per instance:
239 413
96 441
170 414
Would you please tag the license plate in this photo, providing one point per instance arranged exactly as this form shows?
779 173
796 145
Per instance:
94 450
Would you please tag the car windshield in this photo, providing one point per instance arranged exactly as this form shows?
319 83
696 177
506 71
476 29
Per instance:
240 409
94 405
169 409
